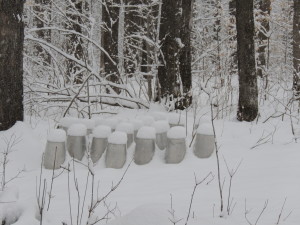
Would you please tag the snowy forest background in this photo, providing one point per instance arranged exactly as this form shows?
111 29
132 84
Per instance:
64 56
103 59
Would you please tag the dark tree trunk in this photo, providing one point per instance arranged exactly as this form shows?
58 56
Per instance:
75 42
265 9
296 46
248 93
169 71
186 53
110 16
11 62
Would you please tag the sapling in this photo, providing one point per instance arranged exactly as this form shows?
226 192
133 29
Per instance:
10 144
231 173
197 183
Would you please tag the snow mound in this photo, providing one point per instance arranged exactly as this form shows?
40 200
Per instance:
128 128
111 122
68 121
77 130
161 126
147 120
27 152
159 116
178 119
101 131
146 133
206 129
177 132
89 123
57 135
137 124
118 137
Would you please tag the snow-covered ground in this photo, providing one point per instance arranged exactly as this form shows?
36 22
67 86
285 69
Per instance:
268 172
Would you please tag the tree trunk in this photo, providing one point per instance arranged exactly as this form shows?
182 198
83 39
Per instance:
248 93
11 62
110 13
75 42
265 9
232 33
296 46
186 53
232 7
133 25
39 20
169 71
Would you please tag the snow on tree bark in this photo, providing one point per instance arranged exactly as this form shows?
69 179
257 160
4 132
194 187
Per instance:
75 42
168 72
110 13
186 53
175 39
265 9
40 20
248 91
11 62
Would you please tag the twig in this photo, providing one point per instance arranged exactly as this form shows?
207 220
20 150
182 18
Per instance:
193 193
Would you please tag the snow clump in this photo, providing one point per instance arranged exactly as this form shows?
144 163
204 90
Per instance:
101 131
57 135
118 138
176 119
137 124
147 120
128 128
161 126
205 129
177 132
68 121
146 133
111 122
77 130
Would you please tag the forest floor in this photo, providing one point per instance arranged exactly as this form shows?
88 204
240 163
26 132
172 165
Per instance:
157 193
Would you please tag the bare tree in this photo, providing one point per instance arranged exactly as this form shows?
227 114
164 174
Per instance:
248 91
11 62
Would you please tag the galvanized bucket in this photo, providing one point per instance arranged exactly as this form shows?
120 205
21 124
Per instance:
115 156
98 147
161 140
204 145
144 150
55 155
175 152
76 146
